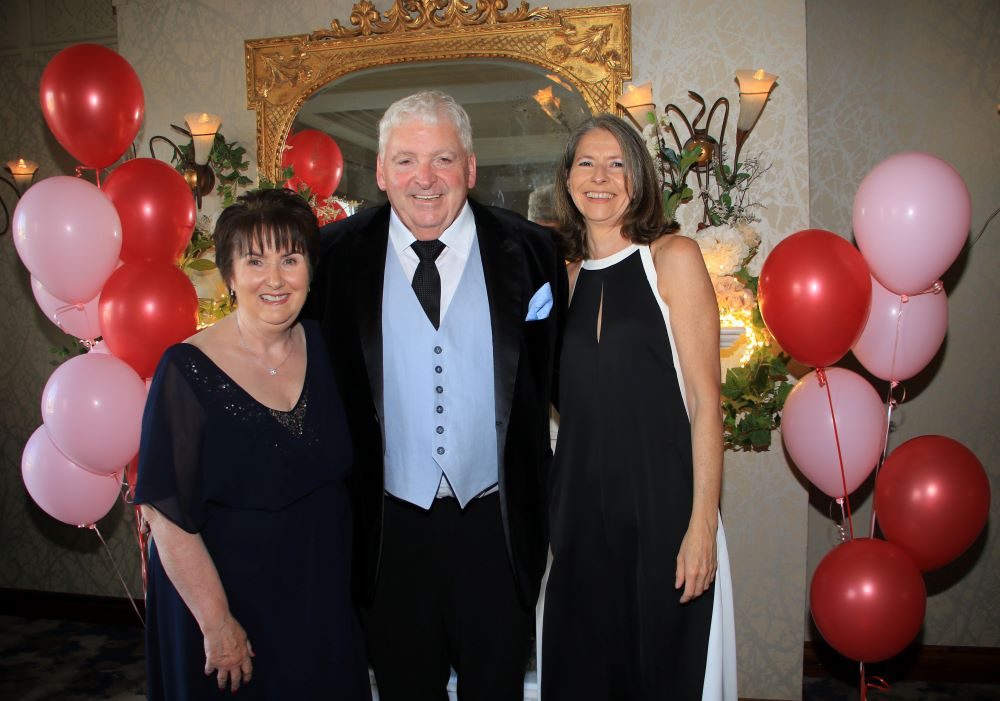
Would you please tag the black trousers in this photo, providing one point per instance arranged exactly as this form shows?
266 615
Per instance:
446 598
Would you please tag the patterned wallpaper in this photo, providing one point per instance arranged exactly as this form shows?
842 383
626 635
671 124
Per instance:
189 56
903 75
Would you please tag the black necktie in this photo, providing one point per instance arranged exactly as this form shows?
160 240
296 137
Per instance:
427 280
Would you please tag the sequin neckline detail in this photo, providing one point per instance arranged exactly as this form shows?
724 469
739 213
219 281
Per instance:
292 420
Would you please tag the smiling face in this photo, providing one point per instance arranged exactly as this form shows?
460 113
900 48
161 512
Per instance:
597 182
271 286
426 174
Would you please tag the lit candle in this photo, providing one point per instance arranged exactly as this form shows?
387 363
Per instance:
638 101
23 172
755 86
203 128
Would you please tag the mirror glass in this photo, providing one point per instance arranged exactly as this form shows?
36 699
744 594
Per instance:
521 117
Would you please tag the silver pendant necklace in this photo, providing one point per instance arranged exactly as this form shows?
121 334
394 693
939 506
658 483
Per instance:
272 371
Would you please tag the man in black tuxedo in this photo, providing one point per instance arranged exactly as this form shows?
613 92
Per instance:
444 355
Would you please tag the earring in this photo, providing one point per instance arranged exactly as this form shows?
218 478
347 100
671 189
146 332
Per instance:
232 295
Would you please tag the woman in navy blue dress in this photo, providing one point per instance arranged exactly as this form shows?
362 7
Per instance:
242 470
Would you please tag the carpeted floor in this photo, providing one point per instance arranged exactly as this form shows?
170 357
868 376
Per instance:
71 661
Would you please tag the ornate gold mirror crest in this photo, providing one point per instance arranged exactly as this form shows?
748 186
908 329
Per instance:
589 48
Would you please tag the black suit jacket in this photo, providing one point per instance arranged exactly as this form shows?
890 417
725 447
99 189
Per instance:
518 258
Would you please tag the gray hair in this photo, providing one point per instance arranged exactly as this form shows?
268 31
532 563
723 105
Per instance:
429 106
541 204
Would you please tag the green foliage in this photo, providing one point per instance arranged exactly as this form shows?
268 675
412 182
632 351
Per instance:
753 396
729 202
62 353
674 170
228 161
285 176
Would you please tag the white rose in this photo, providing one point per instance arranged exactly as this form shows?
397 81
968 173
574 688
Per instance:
723 249
749 234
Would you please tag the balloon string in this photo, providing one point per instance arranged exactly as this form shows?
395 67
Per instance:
80 307
890 405
825 382
142 535
97 173
121 579
895 341
889 401
864 686
842 535
935 289
878 683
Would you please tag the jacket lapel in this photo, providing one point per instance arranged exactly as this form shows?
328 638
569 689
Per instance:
502 266
369 275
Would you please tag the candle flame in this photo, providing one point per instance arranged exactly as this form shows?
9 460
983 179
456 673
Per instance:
759 75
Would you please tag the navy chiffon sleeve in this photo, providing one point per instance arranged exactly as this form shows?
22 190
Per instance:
171 474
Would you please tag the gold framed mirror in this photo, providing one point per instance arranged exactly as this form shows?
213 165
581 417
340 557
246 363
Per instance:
583 54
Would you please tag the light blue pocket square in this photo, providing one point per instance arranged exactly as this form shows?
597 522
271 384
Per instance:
540 304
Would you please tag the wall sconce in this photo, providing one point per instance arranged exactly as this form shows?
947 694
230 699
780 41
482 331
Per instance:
755 88
23 172
638 102
202 128
550 105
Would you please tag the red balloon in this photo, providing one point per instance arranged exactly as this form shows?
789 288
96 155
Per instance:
868 599
932 499
92 101
316 160
144 308
815 292
156 208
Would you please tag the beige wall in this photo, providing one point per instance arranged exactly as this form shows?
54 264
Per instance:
189 56
901 75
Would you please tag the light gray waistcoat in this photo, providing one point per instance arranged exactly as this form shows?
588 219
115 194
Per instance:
440 415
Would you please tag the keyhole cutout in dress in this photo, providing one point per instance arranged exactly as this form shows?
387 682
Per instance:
600 313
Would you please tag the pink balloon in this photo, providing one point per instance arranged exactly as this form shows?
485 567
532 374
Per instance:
68 235
901 337
807 429
79 319
62 488
911 218
92 407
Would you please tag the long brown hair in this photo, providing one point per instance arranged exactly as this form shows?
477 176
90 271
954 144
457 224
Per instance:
642 221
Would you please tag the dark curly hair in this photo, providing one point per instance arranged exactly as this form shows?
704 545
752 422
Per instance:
262 219
642 221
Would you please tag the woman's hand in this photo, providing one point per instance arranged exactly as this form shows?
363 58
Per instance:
228 653
696 561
